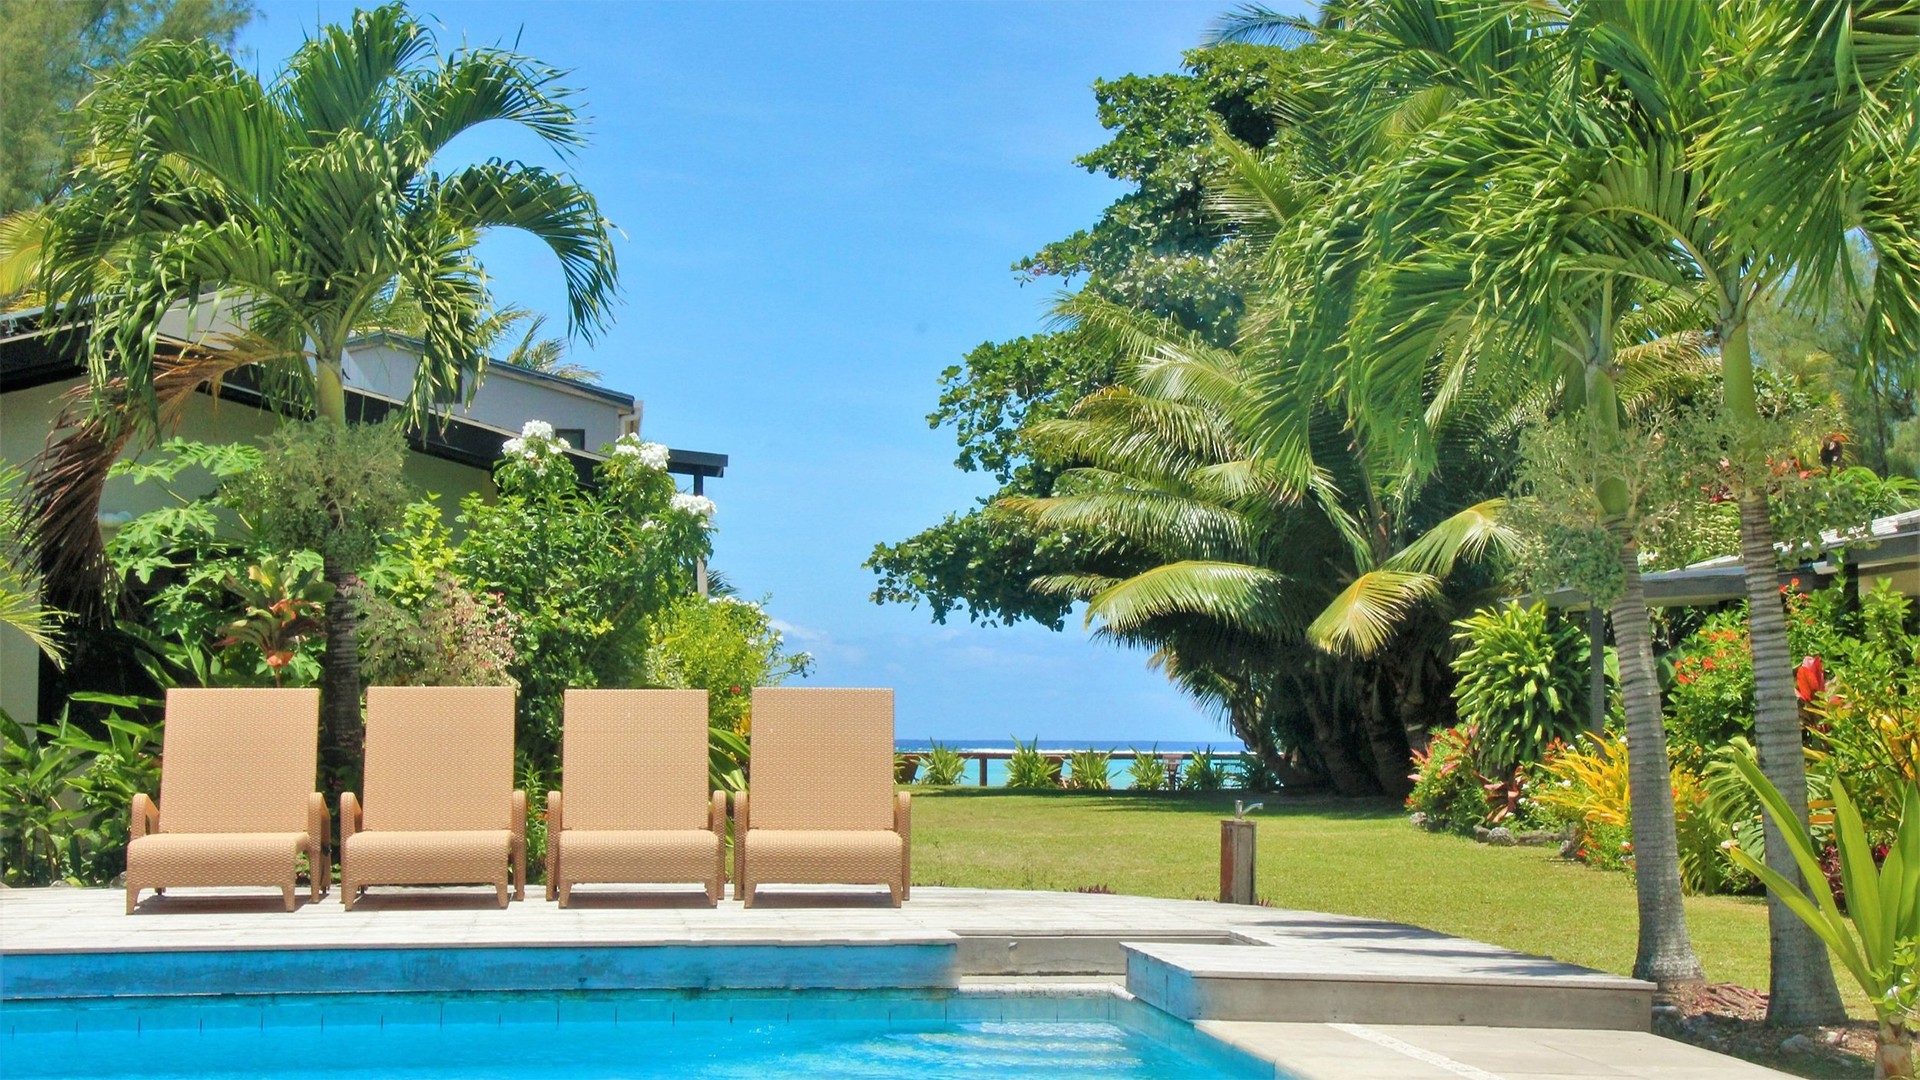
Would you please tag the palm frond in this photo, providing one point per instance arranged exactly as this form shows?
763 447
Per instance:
1363 618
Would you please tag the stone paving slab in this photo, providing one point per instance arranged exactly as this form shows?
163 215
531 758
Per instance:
1400 1052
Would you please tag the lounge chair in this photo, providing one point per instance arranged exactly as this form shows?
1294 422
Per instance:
824 809
237 805
440 805
637 808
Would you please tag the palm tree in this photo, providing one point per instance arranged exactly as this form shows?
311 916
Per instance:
1757 137
1436 245
273 220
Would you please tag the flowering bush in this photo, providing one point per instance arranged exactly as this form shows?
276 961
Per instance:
725 646
590 570
1523 683
1447 785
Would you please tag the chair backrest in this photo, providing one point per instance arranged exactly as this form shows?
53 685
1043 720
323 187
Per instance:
822 759
635 759
238 761
439 758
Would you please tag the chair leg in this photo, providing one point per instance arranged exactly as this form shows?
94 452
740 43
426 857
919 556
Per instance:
504 888
348 892
287 893
566 893
746 894
894 892
715 890
133 897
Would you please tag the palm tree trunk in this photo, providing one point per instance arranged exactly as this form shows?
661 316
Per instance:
1344 770
1665 955
1802 990
342 730
1391 757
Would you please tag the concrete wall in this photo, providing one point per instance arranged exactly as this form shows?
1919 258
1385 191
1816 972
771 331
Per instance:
506 399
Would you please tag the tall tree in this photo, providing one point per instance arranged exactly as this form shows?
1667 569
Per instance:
270 220
53 53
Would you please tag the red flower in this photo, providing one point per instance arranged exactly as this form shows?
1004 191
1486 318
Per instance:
1810 678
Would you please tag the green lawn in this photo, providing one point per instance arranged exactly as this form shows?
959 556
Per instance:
1333 855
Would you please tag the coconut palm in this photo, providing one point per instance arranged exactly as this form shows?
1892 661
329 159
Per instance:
217 222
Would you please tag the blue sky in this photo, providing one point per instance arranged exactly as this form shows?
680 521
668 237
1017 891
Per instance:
818 205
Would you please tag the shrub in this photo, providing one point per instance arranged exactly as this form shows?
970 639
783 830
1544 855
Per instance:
945 766
1089 770
1204 772
1447 785
1029 768
1867 714
449 637
1148 771
1523 678
1587 786
1710 698
725 646
65 795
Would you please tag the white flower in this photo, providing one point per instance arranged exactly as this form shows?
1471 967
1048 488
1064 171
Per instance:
698 505
513 446
536 429
652 455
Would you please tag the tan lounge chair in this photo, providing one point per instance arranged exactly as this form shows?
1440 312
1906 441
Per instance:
440 805
237 805
637 809
824 808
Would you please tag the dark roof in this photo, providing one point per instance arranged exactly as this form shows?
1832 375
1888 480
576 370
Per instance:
29 360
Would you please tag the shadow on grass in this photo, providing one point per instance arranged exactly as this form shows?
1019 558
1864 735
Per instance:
1315 804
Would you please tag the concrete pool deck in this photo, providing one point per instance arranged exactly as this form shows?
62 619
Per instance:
1322 996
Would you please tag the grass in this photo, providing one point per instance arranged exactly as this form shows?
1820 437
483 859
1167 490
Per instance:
1351 857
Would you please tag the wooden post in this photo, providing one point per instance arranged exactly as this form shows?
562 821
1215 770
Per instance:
983 770
1236 861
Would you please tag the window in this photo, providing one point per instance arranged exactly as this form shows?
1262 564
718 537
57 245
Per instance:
576 437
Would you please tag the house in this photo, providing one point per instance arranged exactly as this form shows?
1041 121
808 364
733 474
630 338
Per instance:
451 459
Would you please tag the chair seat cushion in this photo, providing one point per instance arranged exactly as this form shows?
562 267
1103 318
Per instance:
825 857
656 856
466 857
166 859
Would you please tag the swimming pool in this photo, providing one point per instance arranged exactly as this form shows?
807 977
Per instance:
609 1034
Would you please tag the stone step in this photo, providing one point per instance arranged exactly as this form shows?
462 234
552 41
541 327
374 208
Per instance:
1419 984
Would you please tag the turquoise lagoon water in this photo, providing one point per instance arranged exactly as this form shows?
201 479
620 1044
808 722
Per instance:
1226 748
609 1035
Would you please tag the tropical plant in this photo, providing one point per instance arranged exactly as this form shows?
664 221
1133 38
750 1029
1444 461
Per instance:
64 794
1448 790
1522 685
945 766
1029 768
1204 771
1875 940
276 218
282 607
20 607
727 758
1148 771
1089 770
35 825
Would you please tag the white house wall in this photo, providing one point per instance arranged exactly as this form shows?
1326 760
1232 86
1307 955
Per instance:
506 399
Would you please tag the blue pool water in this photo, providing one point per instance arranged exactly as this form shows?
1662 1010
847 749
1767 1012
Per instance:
576 1037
